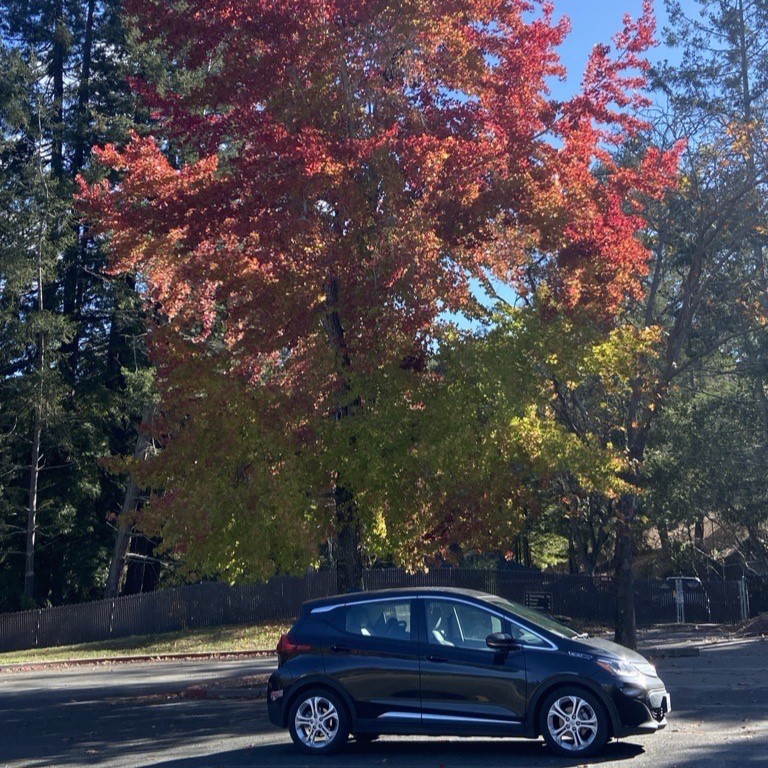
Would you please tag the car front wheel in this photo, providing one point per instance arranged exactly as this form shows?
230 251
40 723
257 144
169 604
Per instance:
318 722
573 722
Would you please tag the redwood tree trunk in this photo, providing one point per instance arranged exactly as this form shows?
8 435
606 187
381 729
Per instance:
75 257
58 58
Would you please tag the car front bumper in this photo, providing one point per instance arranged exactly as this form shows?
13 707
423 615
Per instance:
640 710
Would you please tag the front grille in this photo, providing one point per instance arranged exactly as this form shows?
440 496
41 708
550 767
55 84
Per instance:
658 714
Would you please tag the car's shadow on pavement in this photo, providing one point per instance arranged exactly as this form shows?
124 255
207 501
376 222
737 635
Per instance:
402 753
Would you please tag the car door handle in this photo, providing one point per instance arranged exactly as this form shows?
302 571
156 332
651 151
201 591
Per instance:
437 659
340 649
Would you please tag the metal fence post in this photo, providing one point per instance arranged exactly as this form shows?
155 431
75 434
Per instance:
744 598
680 601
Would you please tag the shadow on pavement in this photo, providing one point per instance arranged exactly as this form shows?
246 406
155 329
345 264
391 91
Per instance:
399 753
97 732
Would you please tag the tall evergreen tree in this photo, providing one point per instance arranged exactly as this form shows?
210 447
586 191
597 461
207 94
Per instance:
70 333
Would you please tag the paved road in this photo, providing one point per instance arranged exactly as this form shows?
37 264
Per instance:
130 716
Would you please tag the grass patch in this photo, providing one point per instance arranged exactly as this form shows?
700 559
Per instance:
243 637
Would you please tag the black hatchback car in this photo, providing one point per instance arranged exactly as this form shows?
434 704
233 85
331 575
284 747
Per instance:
455 661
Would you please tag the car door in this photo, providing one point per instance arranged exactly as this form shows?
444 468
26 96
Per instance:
372 650
462 680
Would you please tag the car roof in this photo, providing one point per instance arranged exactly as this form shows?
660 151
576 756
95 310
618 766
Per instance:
378 594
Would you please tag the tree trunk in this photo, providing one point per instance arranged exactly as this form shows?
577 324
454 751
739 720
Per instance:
587 537
349 563
666 547
75 257
58 58
573 567
122 541
640 420
756 547
81 142
34 462
625 626
349 560
34 475
125 520
698 532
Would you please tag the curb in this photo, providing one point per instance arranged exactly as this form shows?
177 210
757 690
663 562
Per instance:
31 666
670 653
690 626
201 692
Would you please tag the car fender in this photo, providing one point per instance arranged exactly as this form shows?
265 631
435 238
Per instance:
548 685
317 681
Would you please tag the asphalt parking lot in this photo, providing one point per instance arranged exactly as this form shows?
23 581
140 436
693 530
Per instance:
134 715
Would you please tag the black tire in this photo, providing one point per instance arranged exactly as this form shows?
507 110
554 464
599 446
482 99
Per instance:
318 721
573 722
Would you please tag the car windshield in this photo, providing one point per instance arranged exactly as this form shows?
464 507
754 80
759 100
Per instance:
542 620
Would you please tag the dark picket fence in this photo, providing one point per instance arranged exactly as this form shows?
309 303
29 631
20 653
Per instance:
757 595
582 598
195 606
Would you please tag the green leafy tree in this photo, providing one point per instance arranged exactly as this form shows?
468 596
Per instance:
705 291
306 231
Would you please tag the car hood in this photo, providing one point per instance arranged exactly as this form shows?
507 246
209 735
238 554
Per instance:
599 647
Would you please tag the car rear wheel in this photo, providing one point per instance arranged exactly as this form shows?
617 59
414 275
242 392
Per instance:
573 722
318 721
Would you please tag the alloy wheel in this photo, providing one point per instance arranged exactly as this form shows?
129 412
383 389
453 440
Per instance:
572 723
316 722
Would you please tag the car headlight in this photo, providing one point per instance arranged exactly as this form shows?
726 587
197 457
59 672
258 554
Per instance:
645 668
627 670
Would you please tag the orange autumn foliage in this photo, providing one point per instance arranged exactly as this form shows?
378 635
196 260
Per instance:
333 175
399 148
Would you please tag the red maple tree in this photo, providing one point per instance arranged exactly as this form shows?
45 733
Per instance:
330 176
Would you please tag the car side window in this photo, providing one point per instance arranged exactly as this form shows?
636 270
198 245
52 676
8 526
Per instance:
390 620
526 637
461 625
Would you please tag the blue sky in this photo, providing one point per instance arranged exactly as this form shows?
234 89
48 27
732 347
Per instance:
596 21
592 22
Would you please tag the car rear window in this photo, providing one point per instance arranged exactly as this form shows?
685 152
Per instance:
380 619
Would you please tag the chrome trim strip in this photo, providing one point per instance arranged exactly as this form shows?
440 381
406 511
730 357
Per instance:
494 612
446 718
326 608
461 719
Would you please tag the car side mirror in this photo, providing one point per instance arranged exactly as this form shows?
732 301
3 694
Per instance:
501 641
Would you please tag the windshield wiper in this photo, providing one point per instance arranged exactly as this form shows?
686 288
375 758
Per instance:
582 635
